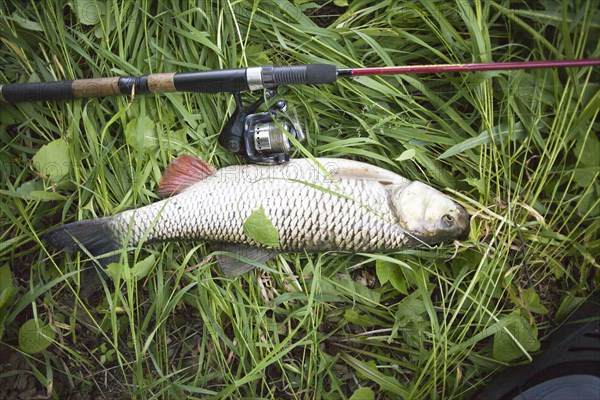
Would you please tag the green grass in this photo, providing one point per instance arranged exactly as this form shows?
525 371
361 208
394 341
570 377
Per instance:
320 325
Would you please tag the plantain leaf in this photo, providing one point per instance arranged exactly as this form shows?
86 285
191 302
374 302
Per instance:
142 268
407 155
410 309
259 227
35 337
26 189
88 12
341 3
52 160
361 319
532 301
389 272
364 393
140 133
26 23
504 347
43 195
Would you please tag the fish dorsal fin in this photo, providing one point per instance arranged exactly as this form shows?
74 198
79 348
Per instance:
238 259
350 169
183 172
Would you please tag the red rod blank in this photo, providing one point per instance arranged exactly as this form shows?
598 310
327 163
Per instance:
500 66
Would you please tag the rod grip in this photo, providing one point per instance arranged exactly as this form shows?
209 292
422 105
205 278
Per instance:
299 75
60 90
225 80
26 92
217 81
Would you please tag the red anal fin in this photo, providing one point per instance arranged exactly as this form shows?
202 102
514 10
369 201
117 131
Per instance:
183 172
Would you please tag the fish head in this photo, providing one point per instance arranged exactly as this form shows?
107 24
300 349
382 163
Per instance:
428 214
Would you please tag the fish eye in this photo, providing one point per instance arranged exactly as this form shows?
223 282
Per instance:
447 218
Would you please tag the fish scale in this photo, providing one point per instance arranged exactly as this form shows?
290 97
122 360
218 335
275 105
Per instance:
336 215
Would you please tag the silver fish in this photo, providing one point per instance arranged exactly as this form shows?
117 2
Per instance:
333 204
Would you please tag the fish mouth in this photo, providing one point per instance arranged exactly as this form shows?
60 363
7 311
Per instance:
463 223
434 237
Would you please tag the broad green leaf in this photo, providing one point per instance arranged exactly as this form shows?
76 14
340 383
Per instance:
360 319
26 23
410 314
46 196
7 116
587 150
175 139
257 55
364 393
34 338
259 228
140 133
389 272
477 183
585 176
4 296
88 12
406 155
410 308
26 189
589 203
6 284
532 301
383 271
498 133
504 347
341 3
117 270
102 29
142 268
52 160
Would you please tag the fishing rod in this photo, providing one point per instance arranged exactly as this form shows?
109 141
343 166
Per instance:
261 137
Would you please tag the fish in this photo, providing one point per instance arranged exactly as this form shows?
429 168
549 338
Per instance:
315 205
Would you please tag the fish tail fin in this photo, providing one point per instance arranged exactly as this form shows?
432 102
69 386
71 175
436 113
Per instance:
94 236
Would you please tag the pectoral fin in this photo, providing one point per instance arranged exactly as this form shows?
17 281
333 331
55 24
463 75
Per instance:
238 259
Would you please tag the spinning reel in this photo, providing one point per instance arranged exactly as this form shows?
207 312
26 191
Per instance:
264 138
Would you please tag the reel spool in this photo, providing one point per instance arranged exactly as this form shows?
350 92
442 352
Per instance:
263 138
